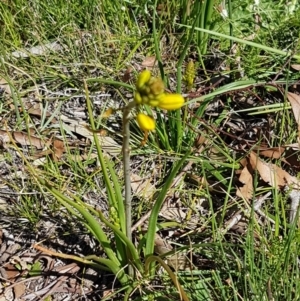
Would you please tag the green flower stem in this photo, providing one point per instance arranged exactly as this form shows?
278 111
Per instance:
126 168
156 43
179 80
206 23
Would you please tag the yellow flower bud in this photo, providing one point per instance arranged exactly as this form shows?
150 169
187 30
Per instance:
146 90
153 102
138 98
145 122
151 96
157 86
170 101
143 79
145 99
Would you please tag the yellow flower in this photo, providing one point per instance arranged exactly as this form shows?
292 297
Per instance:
170 101
145 122
143 79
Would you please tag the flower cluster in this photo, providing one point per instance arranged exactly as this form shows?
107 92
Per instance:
151 91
